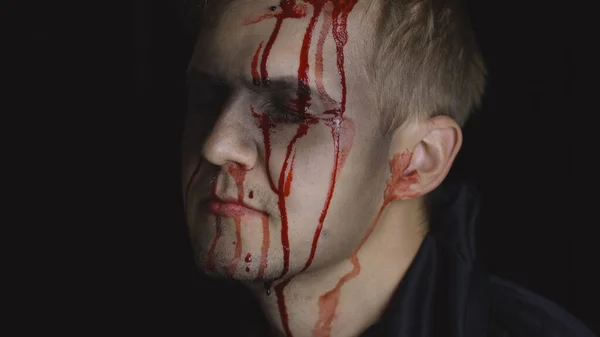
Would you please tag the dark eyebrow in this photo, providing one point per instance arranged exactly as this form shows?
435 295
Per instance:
193 75
283 84
287 83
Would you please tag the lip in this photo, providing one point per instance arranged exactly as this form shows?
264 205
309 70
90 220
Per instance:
231 208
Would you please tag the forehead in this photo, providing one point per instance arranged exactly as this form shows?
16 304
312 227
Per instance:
244 29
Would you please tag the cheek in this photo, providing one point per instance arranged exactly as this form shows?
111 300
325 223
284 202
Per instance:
358 187
312 178
306 176
303 161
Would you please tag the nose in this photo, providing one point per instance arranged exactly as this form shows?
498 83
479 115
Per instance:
230 140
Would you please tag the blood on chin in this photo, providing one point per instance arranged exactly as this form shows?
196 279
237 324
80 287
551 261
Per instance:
235 247
221 272
245 274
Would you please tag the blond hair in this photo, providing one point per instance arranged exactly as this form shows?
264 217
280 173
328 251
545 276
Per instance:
426 62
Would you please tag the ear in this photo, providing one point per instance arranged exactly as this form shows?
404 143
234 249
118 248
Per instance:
431 147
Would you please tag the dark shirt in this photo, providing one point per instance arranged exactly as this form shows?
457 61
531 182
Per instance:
447 293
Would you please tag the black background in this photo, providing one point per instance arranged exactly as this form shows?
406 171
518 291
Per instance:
518 150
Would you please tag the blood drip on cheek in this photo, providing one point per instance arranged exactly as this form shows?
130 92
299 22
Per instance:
265 125
398 186
239 175
290 177
248 259
238 247
283 187
289 9
285 241
347 131
342 131
264 251
210 264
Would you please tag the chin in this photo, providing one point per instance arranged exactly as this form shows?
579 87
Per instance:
244 275
224 265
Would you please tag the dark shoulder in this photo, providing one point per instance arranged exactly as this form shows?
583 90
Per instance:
518 312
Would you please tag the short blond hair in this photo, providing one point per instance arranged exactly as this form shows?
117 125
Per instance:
426 62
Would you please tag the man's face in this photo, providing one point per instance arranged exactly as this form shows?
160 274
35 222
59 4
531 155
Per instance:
284 166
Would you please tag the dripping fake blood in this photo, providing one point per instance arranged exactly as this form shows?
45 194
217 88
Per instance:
248 259
327 22
210 264
289 9
285 241
344 129
302 101
238 246
290 177
255 74
339 13
264 251
282 307
239 175
398 186
265 125
282 189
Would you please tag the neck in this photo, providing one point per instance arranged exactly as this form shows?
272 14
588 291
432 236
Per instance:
346 298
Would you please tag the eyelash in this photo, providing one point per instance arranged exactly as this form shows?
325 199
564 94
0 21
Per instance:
283 115
211 96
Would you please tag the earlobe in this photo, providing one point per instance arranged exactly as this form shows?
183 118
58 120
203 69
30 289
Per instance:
433 145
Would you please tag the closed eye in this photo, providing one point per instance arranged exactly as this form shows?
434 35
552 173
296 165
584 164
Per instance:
283 115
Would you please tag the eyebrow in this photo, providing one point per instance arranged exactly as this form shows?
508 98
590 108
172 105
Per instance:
193 74
282 84
279 84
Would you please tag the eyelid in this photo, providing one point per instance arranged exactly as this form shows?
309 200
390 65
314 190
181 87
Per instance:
288 105
272 110
287 99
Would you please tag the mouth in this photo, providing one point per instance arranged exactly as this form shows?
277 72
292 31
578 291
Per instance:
231 208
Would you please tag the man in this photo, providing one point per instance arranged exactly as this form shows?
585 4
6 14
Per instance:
318 136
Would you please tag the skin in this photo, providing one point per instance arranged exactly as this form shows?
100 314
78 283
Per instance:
374 220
